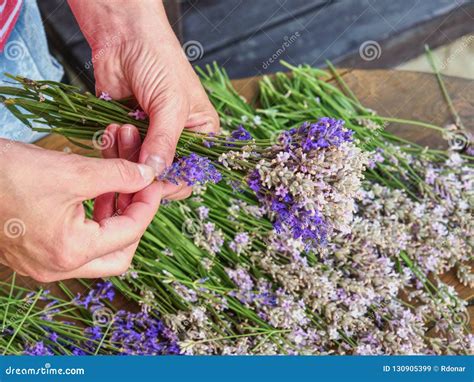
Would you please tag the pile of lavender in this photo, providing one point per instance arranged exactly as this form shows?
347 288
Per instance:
38 323
311 230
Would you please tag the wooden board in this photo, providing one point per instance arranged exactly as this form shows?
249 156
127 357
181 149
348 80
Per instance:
408 95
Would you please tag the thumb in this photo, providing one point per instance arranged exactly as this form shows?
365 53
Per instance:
166 125
101 176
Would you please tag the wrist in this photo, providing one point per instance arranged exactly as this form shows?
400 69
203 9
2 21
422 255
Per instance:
106 23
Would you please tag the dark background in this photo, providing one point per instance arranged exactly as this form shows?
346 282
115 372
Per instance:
242 35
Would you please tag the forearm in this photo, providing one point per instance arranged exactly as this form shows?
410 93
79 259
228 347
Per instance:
106 21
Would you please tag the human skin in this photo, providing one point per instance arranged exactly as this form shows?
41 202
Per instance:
137 55
46 234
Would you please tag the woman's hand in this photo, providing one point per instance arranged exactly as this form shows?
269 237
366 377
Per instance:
44 232
135 53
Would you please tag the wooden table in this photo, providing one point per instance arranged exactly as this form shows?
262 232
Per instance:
407 95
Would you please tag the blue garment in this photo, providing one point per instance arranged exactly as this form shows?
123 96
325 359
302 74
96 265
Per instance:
26 53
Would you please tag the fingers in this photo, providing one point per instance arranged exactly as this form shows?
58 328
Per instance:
119 230
126 144
111 241
111 150
176 191
88 240
104 205
161 140
113 264
167 121
182 193
99 176
115 233
206 121
129 144
82 240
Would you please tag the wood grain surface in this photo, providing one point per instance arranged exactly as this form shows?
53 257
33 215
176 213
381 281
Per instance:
407 95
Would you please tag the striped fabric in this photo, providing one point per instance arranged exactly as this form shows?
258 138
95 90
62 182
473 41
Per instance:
9 12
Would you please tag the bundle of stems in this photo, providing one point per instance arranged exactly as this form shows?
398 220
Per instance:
286 100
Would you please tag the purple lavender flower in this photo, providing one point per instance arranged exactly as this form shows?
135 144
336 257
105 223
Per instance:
240 134
240 242
244 283
133 333
203 212
138 114
53 336
311 136
78 351
324 133
103 290
209 143
105 96
241 278
254 181
48 312
142 334
38 349
192 169
377 157
94 333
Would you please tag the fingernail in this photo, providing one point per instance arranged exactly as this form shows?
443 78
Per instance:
147 172
157 163
126 134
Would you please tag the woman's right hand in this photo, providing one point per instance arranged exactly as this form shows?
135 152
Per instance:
44 232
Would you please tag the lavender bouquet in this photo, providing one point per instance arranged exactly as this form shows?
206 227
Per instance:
305 178
320 237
